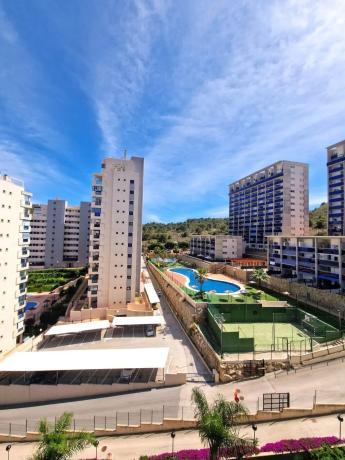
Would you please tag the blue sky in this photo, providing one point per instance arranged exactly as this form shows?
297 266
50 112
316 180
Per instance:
206 91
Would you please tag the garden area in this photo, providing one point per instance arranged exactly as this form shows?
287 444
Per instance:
49 279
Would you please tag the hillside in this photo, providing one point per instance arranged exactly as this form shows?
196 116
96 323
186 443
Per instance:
318 220
167 235
170 235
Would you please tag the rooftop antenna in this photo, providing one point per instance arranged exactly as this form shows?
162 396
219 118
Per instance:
125 154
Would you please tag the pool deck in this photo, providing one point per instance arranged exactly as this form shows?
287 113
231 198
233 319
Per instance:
181 280
41 299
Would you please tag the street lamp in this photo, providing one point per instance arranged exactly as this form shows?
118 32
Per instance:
228 292
254 428
96 445
8 448
341 419
172 435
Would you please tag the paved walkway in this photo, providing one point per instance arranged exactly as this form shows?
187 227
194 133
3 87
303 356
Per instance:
131 447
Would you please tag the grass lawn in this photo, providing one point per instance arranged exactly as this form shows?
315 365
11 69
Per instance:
50 279
253 295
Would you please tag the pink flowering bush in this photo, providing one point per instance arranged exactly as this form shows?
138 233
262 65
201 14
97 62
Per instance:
297 445
202 454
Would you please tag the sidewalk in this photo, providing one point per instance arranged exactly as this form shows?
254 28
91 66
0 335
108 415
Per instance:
131 447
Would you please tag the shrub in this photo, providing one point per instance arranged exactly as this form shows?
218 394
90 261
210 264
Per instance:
297 445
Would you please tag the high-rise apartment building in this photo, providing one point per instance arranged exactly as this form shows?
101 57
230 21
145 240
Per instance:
271 201
115 234
59 234
15 214
336 187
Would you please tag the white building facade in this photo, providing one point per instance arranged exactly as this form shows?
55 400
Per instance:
217 247
116 233
15 215
59 234
272 201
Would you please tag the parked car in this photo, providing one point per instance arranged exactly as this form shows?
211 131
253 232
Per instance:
150 331
126 375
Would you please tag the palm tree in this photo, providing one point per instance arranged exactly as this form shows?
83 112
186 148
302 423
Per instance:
57 443
201 276
217 423
260 275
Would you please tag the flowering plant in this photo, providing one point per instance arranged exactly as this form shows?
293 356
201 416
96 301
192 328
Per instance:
297 445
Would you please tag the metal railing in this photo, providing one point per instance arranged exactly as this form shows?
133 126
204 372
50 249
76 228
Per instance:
121 418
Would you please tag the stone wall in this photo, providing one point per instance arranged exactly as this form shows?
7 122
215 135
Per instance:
237 273
319 298
211 267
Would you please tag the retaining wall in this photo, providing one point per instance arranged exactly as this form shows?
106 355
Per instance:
169 424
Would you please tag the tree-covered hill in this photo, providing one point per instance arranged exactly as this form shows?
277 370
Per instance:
318 220
173 235
167 235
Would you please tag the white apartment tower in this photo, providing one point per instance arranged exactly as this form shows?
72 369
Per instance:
115 233
15 214
59 234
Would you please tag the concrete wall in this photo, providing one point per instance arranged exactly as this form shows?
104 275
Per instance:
169 424
23 394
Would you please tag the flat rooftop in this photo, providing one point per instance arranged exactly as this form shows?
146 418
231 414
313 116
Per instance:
89 359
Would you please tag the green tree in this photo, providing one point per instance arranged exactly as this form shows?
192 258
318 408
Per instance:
201 276
169 245
260 275
57 443
217 423
328 453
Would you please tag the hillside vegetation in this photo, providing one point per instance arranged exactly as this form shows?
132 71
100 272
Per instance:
172 235
318 220
177 235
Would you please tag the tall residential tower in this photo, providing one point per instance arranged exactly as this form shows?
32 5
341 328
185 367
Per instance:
115 235
59 234
271 201
336 187
15 214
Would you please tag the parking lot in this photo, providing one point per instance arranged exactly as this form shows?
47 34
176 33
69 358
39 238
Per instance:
182 357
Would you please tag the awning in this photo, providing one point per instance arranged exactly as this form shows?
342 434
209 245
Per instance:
334 278
151 293
69 360
138 320
75 328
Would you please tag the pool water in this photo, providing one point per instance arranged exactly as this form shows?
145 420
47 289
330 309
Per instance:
220 287
31 305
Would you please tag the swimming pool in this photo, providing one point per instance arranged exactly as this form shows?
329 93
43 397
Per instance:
31 305
220 287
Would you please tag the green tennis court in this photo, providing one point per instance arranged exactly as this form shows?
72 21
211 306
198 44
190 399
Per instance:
265 334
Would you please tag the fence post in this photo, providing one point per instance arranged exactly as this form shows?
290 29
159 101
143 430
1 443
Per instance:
94 423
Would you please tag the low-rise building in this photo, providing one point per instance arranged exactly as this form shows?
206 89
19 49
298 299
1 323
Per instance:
217 247
15 215
59 235
315 260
